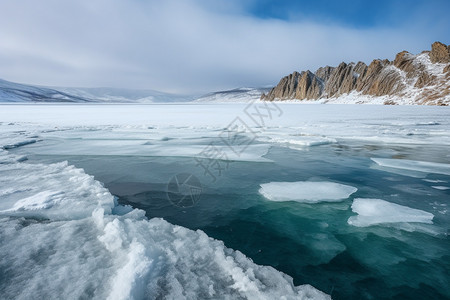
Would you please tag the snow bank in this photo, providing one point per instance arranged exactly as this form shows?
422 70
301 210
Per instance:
60 240
376 211
413 165
306 191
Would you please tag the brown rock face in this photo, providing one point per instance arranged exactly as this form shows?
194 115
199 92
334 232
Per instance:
341 80
285 89
304 85
360 69
440 53
405 62
324 73
447 69
365 83
309 86
407 73
424 80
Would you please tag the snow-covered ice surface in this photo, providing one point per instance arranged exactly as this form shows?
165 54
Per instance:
309 192
84 211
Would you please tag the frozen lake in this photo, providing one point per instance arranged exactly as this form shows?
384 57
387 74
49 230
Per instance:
351 199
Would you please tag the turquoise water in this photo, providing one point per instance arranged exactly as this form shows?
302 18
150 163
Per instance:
311 242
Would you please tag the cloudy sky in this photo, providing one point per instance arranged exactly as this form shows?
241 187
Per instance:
197 46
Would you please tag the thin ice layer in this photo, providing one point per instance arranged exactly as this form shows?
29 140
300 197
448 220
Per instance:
376 211
306 191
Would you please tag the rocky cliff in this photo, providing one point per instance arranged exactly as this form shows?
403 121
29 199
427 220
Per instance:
408 79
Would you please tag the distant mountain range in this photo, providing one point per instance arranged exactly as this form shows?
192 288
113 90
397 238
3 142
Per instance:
408 79
22 93
16 92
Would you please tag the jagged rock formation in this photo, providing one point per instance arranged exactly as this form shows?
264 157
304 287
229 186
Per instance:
412 79
440 53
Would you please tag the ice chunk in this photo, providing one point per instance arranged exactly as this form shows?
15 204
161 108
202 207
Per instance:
377 211
306 191
413 165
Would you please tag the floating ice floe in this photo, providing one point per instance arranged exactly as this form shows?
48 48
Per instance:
414 165
57 224
376 211
306 191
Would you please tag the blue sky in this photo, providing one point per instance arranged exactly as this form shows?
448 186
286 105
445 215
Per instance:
197 46
355 13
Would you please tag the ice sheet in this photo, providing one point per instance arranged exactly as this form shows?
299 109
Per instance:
306 191
377 211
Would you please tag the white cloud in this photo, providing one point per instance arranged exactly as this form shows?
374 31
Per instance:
177 46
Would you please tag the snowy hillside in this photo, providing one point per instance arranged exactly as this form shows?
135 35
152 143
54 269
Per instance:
16 92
